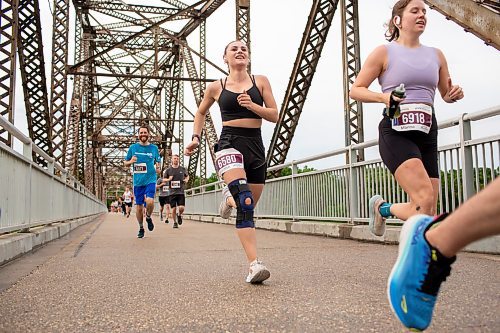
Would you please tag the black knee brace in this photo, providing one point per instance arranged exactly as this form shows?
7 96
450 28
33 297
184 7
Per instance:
244 212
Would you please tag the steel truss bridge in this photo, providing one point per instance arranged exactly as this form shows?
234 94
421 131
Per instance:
130 60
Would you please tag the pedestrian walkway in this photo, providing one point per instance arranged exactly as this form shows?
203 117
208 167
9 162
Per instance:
101 278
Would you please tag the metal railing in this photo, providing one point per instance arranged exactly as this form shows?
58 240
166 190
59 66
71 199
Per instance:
31 195
341 193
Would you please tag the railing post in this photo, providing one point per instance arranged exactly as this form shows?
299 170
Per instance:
28 150
50 166
294 192
466 156
28 153
353 186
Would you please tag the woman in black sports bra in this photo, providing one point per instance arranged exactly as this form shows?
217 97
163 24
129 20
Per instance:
244 101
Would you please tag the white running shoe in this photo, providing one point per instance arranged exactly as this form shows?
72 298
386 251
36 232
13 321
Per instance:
258 272
224 209
377 221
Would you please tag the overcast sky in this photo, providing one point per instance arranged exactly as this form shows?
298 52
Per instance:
276 31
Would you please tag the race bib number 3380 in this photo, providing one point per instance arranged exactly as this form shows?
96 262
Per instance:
414 117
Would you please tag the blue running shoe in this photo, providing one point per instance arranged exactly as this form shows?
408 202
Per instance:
415 279
149 220
141 233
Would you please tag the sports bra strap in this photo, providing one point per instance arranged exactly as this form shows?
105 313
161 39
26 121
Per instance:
252 77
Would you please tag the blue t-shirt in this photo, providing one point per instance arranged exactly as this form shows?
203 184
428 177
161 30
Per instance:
144 168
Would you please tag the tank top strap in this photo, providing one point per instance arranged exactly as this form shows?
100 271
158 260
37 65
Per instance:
223 85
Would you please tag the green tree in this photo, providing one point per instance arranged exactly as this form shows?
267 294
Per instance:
212 179
288 170
455 177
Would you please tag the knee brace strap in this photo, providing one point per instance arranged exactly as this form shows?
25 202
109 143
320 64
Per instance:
244 212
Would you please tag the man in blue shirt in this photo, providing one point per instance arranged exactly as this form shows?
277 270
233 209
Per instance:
145 159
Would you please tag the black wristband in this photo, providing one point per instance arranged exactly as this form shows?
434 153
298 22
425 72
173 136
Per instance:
196 136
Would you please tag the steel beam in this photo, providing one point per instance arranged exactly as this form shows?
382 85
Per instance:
142 76
180 108
123 7
209 128
208 9
243 25
171 96
59 82
32 65
134 35
480 18
353 110
176 3
313 40
203 74
8 46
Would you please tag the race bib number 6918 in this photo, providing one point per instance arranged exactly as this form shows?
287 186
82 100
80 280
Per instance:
414 117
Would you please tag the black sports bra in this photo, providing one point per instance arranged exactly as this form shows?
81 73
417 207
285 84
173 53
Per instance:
229 107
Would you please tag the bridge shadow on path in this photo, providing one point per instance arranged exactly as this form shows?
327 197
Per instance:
191 279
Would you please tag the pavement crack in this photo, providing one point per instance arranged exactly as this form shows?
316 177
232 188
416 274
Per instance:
85 240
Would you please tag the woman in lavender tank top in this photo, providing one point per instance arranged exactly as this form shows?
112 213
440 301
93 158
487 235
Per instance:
408 144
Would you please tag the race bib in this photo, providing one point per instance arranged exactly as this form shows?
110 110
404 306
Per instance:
175 184
414 117
140 168
228 160
165 189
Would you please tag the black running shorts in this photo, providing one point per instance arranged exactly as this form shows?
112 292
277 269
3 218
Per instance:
164 200
248 141
177 200
397 147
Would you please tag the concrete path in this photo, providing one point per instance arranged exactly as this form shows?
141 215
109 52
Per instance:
101 278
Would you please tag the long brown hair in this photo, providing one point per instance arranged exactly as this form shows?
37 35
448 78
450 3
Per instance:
392 32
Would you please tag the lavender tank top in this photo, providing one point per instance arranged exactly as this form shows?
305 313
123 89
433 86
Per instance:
417 68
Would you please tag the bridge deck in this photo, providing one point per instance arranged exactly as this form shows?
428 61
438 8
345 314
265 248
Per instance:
101 278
